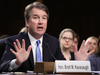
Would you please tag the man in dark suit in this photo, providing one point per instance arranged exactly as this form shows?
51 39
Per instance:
20 52
16 58
29 63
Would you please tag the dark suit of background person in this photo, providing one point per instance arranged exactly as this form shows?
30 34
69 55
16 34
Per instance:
95 61
29 63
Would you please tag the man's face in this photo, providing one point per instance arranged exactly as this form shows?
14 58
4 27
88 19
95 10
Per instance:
37 23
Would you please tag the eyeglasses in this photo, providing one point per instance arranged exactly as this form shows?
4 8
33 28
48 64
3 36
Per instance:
65 38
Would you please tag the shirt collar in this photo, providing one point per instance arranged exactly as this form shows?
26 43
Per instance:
33 40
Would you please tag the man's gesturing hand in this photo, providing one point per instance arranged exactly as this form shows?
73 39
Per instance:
82 54
21 53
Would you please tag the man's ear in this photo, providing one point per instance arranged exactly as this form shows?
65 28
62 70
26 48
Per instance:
27 23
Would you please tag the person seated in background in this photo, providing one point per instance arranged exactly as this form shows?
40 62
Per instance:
94 41
21 50
66 39
95 61
24 29
75 42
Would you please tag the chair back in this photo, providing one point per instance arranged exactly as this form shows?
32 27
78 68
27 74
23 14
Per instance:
2 46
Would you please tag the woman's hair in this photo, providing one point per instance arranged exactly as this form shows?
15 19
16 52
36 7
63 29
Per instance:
66 30
90 38
27 12
24 29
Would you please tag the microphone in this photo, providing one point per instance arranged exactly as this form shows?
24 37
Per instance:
50 51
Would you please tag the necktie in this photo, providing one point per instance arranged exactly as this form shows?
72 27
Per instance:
38 52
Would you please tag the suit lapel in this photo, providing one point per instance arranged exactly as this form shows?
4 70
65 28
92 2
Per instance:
45 48
27 41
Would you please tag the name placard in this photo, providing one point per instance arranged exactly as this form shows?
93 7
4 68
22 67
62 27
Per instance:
72 66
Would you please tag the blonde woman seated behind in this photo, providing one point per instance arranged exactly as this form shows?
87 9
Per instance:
94 41
95 57
24 29
66 39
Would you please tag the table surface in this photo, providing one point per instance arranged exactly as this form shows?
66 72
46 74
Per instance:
20 73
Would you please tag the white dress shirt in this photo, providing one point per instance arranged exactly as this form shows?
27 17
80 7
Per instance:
34 45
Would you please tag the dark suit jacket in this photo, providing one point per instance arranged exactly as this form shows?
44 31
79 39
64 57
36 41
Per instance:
2 46
94 62
29 63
